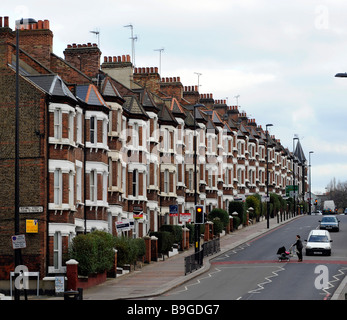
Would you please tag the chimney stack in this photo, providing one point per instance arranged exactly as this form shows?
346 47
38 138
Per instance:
37 40
84 57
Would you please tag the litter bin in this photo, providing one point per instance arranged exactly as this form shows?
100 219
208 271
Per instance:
73 294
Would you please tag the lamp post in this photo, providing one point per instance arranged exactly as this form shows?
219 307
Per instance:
267 177
197 226
17 252
295 138
309 172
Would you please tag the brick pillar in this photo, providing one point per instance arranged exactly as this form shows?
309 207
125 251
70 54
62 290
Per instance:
148 249
154 248
72 274
231 223
185 238
208 231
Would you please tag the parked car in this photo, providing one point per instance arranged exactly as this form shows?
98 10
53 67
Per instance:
318 242
329 223
317 213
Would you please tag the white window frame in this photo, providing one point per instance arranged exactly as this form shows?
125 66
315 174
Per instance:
57 250
58 123
93 186
58 187
93 130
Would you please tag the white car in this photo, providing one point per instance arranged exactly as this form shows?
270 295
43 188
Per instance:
318 242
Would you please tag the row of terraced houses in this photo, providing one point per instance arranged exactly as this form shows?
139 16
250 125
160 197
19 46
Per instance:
103 143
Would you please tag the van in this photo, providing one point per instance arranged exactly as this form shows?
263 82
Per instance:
318 242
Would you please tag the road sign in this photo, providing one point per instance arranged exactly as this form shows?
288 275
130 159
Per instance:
31 209
18 241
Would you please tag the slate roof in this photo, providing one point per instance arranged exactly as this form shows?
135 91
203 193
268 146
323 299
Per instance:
90 95
133 106
52 85
299 153
109 90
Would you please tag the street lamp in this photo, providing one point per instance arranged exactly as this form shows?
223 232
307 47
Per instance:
309 172
267 177
341 75
295 138
17 252
197 226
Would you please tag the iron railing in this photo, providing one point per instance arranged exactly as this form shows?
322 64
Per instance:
196 260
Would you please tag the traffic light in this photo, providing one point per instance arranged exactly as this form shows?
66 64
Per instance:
199 214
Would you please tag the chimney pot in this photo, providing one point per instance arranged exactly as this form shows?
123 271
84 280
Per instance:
156 69
6 22
178 79
40 24
46 24
128 58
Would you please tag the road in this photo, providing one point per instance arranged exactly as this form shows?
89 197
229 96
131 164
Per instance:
252 271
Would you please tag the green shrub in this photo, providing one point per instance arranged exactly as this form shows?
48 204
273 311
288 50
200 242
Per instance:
165 241
253 201
126 250
236 222
141 247
221 214
217 226
93 251
176 231
237 206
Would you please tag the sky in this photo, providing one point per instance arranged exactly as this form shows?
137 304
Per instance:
279 57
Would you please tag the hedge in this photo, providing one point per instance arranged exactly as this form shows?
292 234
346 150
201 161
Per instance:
93 251
165 241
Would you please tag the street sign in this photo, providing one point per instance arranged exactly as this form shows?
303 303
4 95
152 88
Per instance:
32 226
290 190
173 210
59 284
18 241
31 209
123 225
185 217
